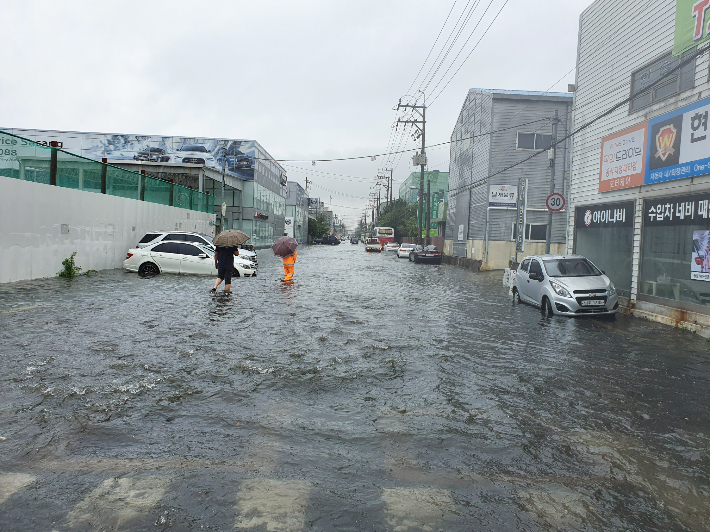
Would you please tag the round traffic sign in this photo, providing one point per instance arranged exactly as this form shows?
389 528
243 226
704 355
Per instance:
555 202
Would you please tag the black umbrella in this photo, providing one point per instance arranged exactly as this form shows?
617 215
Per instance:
284 247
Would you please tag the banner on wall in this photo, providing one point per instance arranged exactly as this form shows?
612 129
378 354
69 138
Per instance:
677 210
237 156
605 216
679 144
623 159
691 24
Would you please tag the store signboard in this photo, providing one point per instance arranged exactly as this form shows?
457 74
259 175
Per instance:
691 24
288 226
678 144
313 202
522 214
677 210
503 196
605 216
623 158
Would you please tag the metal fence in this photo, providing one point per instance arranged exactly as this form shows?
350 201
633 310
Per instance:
21 158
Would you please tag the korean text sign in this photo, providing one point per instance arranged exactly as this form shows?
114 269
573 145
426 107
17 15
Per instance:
679 144
692 18
623 159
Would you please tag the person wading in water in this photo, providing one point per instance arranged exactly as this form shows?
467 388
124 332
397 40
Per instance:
224 262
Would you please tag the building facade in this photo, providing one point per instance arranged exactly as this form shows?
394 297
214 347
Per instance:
640 183
495 130
296 221
439 186
254 184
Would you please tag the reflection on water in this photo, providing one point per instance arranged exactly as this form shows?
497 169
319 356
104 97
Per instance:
369 393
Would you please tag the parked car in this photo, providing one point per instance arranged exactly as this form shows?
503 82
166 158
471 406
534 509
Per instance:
354 240
425 255
391 246
404 250
373 244
153 237
568 285
328 240
193 154
180 257
153 155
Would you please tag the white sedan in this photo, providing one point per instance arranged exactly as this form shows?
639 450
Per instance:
180 257
391 246
404 250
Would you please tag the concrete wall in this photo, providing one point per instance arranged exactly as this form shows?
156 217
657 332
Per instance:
41 225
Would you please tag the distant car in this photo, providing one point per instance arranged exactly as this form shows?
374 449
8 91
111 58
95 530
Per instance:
425 255
567 285
373 245
193 154
354 240
153 155
180 257
404 250
328 240
391 246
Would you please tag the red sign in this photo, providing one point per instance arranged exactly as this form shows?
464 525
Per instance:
623 159
555 202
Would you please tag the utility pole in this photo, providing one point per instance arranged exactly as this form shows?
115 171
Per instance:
428 210
391 184
551 157
421 156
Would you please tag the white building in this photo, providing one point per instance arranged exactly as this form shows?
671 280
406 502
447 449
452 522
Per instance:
640 205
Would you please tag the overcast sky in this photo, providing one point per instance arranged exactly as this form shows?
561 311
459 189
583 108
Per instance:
308 80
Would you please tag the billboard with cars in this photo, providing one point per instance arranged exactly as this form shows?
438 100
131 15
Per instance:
236 155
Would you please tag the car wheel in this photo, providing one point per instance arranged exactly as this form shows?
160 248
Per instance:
516 296
235 273
546 307
149 268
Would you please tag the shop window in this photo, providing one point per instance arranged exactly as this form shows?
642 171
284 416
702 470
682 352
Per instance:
535 231
605 235
678 82
675 252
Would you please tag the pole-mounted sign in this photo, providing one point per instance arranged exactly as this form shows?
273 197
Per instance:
555 202
522 198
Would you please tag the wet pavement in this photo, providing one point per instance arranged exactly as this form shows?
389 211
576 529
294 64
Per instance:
370 394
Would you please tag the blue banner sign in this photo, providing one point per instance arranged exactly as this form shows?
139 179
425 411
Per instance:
678 144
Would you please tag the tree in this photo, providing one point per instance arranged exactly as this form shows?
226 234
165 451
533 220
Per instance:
317 227
401 216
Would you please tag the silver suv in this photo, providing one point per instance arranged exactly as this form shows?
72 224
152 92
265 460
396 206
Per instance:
568 285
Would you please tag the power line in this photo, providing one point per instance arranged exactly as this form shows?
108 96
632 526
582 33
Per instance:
587 124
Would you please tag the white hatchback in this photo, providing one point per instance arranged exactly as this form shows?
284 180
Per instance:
404 250
180 257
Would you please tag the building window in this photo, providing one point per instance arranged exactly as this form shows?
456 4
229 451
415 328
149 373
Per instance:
676 83
533 141
535 231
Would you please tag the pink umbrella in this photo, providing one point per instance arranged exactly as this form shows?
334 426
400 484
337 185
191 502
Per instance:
284 247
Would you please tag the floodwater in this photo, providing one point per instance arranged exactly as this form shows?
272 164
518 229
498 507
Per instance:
370 394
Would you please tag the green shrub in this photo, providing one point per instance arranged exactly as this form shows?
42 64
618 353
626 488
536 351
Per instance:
70 268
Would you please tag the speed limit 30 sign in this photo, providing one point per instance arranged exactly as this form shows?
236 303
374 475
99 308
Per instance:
555 202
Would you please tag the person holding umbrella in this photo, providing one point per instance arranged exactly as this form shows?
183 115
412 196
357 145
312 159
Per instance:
226 249
285 247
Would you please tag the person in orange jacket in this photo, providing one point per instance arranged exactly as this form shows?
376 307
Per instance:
289 266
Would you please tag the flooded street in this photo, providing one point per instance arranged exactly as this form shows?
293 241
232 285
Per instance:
370 394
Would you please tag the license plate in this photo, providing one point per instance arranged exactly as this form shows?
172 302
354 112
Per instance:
592 302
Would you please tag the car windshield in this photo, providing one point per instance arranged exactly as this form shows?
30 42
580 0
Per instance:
571 268
194 148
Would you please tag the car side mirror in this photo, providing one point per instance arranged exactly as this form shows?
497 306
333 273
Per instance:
203 255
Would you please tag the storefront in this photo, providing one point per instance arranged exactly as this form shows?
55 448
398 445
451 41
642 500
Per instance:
605 235
675 252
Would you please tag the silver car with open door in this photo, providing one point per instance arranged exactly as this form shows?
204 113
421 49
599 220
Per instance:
568 285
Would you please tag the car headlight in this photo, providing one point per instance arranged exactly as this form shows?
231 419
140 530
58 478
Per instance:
559 289
612 289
